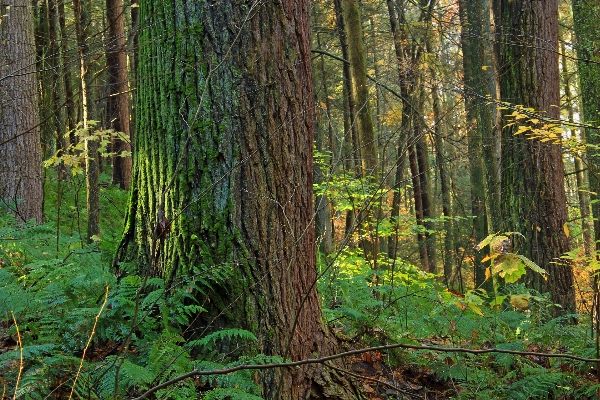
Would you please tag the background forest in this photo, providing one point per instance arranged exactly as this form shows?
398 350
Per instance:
383 199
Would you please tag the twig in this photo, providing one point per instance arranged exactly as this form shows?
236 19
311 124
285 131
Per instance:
21 356
88 343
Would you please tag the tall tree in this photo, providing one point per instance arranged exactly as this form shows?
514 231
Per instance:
409 51
587 33
92 170
20 151
366 150
118 88
534 200
224 151
478 115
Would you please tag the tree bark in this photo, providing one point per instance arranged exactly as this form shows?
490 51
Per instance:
587 32
534 200
92 170
323 218
224 148
478 123
365 148
118 92
21 186
349 148
581 180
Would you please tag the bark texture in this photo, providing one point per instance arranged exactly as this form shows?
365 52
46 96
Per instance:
533 193
118 101
478 122
224 147
20 151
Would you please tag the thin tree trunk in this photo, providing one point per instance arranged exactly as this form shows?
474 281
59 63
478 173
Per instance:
323 218
349 148
581 180
366 132
440 155
91 145
71 110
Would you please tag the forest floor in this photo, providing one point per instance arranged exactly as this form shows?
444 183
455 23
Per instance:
381 381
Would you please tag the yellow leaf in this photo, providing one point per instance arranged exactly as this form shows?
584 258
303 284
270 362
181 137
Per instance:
520 302
489 257
484 67
488 273
566 229
522 129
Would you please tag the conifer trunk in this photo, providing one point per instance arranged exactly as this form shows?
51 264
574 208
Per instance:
534 200
20 150
224 147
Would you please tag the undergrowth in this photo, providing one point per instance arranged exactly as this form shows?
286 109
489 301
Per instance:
58 295
402 304
54 287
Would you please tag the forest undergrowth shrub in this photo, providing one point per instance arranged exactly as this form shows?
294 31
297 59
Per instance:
55 288
406 305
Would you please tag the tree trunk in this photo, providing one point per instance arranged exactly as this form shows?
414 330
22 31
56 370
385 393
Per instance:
92 171
323 218
224 148
21 186
440 158
69 96
583 191
478 123
350 129
118 92
587 32
534 200
423 175
365 148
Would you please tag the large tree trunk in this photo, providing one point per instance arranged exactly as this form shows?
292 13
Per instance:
20 150
587 32
118 88
478 122
224 148
534 200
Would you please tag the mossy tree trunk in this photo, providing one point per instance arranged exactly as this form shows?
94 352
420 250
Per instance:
224 147
587 32
365 147
20 150
533 192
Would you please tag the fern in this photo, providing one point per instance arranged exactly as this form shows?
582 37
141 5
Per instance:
229 394
225 335
241 380
538 385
